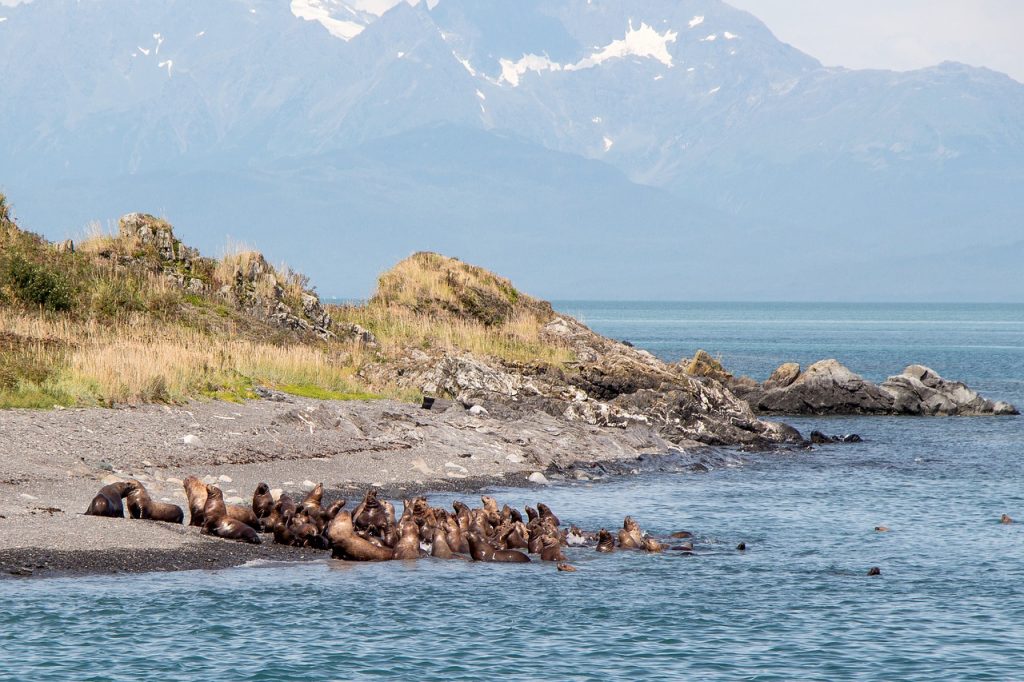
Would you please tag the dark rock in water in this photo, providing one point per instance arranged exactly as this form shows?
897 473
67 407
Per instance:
827 387
818 437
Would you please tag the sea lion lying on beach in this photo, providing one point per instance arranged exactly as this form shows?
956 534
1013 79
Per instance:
108 500
346 544
142 506
219 523
196 492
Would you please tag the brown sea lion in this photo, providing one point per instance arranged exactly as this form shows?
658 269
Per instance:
195 491
232 511
652 545
313 500
218 522
370 514
685 547
345 544
262 501
568 568
481 550
1006 519
682 534
742 547
490 504
544 511
885 529
439 547
552 549
107 501
531 514
874 570
630 536
408 546
605 542
142 506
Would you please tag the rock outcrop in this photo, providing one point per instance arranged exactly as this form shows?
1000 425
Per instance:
827 387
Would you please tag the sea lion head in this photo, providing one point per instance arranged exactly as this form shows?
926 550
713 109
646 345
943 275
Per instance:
262 489
490 504
629 524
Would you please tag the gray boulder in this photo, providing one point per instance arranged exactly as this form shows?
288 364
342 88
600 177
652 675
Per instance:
920 390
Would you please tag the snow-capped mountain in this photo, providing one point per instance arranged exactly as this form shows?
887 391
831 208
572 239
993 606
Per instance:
658 138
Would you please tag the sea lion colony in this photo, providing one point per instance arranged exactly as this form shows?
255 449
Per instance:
372 532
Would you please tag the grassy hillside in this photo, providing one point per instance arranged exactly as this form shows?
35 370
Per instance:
123 319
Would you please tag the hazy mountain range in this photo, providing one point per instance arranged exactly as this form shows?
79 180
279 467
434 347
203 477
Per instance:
585 148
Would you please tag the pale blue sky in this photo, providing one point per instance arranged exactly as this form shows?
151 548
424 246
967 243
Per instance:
900 34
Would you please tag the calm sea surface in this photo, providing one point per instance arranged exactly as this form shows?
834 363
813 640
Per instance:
797 605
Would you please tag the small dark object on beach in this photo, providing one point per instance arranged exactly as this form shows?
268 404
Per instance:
742 547
436 404
874 570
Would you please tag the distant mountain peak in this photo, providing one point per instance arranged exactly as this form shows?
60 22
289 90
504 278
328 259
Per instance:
346 19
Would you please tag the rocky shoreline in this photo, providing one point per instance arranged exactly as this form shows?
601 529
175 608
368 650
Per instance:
52 463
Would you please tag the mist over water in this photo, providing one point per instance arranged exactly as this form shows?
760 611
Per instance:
797 605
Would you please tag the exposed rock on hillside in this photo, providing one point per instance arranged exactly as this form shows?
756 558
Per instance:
245 279
608 383
827 387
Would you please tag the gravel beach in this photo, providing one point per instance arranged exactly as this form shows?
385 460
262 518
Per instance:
53 462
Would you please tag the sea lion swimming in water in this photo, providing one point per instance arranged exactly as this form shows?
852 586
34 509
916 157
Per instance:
605 542
630 536
221 525
552 549
345 544
652 545
408 545
107 501
481 550
142 506
1006 520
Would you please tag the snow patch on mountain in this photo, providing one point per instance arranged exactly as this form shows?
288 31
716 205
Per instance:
644 42
320 11
696 21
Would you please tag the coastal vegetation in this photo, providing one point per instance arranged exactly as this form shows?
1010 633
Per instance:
138 317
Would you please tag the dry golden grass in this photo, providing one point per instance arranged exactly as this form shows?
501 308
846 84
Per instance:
136 361
431 301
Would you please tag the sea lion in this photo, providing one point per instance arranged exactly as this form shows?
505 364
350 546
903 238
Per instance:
142 506
481 550
568 568
233 511
262 501
545 512
1006 519
439 547
605 542
195 491
742 547
490 504
575 537
408 546
531 514
221 525
682 534
107 501
685 547
630 536
652 545
370 514
874 570
552 549
313 500
885 529
345 544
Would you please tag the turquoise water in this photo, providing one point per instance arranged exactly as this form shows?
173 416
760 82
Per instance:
797 605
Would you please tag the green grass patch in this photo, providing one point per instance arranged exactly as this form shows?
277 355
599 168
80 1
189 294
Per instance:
321 393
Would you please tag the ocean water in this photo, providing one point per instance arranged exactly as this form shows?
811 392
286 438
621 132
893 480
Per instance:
949 604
